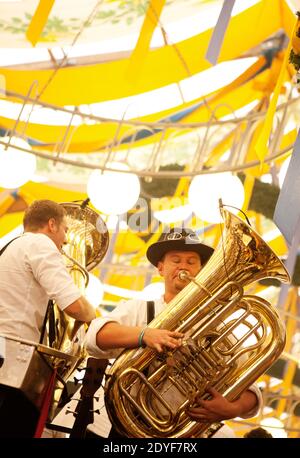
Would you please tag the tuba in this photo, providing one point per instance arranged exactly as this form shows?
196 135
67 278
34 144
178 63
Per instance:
87 243
230 340
61 349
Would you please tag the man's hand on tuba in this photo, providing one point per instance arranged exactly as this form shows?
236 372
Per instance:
219 408
158 339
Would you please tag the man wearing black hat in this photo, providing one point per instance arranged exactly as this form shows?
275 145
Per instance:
180 249
126 327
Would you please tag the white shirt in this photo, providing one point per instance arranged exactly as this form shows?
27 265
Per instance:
134 313
32 271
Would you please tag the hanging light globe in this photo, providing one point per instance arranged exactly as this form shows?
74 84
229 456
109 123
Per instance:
16 167
113 193
206 190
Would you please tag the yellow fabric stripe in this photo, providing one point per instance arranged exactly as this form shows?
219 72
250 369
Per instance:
43 191
6 200
76 85
88 138
251 153
287 16
39 21
30 192
261 146
278 245
127 243
235 99
138 55
248 188
9 222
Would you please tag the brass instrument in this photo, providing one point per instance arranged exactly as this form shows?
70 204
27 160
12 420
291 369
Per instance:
87 243
230 340
61 347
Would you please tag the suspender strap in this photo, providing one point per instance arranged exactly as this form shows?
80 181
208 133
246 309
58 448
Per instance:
150 311
5 246
50 319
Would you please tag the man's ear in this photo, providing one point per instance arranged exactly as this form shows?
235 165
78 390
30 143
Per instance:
160 266
51 224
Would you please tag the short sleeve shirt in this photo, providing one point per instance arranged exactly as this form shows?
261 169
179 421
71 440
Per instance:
32 271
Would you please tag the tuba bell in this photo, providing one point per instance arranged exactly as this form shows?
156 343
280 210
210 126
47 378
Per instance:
230 340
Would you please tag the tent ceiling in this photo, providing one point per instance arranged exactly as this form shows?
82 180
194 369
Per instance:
169 64
76 64
113 24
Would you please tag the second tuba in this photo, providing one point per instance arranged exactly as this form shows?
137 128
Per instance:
87 243
230 340
36 366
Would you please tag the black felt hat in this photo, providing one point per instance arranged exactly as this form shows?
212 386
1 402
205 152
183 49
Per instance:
178 239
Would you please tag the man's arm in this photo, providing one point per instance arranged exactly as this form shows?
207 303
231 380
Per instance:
247 402
219 408
115 335
81 310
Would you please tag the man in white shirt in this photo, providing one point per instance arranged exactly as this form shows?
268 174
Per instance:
32 272
125 327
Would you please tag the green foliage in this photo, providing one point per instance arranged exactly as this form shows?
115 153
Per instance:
122 10
294 59
264 198
296 273
127 10
161 187
19 25
55 24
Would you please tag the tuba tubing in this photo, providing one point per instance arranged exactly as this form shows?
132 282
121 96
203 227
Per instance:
230 340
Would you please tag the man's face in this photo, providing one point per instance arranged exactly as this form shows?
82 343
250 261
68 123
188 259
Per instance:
58 232
170 266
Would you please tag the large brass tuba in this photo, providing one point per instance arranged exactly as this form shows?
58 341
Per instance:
231 339
61 348
87 243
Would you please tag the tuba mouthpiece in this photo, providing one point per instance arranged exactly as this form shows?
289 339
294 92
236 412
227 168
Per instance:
183 275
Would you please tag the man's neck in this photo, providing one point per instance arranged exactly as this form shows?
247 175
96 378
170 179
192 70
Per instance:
36 231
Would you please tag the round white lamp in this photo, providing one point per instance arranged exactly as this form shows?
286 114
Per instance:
16 167
94 291
113 193
206 190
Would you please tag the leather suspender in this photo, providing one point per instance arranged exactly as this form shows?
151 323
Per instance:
150 311
50 319
5 246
